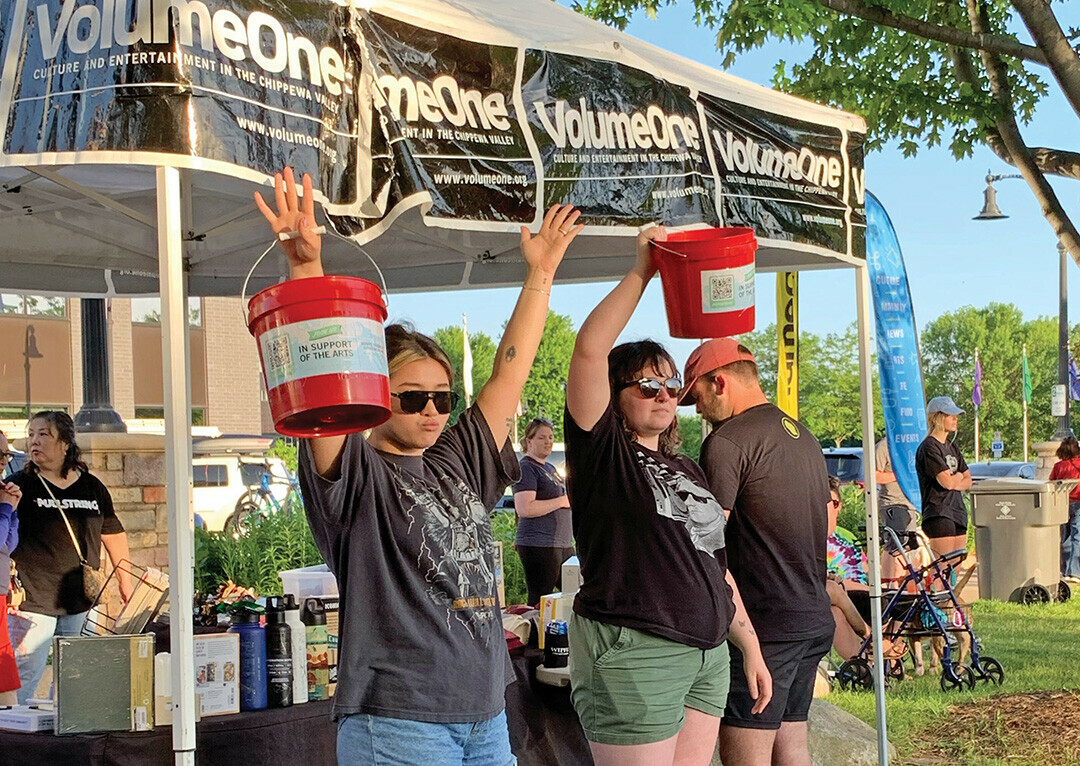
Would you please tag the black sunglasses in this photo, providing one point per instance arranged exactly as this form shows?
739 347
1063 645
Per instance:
5 456
650 387
413 402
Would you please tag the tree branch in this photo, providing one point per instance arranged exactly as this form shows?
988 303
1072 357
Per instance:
1013 142
1000 44
1048 35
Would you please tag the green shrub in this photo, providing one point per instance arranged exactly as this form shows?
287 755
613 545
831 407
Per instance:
253 559
504 528
852 510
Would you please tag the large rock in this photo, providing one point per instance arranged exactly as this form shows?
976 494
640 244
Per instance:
837 738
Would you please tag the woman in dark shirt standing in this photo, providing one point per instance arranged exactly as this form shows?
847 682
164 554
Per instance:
943 477
545 538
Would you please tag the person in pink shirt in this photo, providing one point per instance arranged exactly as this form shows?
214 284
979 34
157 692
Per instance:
1068 467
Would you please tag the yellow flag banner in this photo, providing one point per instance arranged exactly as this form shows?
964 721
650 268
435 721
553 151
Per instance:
787 327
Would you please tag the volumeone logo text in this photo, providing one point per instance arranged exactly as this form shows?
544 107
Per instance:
749 156
592 129
444 99
103 24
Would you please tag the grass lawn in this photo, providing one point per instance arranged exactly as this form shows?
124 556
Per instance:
1039 647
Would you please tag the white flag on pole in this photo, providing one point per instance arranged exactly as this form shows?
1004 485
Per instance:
466 363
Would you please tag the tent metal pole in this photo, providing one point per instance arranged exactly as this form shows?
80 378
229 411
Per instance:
873 544
177 388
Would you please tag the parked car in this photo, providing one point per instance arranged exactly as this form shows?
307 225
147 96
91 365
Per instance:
225 468
1002 469
845 463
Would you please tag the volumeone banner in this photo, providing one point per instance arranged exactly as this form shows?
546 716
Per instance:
902 398
389 112
787 340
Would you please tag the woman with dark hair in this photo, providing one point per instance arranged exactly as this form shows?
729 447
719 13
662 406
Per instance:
1068 467
401 518
9 538
544 538
58 491
649 664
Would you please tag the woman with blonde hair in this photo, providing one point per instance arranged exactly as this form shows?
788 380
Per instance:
401 517
943 477
545 537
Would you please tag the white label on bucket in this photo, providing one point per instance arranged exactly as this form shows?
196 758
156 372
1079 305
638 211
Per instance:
724 290
323 347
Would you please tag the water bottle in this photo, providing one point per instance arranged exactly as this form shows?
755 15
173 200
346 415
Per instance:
245 623
318 649
556 644
279 675
299 649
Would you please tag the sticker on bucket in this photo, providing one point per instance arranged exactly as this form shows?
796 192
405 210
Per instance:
323 347
724 290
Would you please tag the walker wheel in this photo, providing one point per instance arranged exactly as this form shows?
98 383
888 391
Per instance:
855 674
957 678
1064 592
992 672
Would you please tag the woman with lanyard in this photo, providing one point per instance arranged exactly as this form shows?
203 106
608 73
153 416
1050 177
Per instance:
65 517
943 477
401 517
649 668
544 537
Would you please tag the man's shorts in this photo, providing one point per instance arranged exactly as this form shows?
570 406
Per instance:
901 520
793 665
631 688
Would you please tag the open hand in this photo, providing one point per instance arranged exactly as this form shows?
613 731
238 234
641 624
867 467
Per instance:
759 679
544 251
294 214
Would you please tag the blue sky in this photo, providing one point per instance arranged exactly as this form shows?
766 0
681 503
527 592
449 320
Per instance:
952 261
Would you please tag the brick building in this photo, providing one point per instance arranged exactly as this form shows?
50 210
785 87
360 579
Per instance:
41 359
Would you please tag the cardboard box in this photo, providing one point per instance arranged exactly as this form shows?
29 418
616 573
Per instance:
554 606
217 673
331 606
571 576
26 718
103 683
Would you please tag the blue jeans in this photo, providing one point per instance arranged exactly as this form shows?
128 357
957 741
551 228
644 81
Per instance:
1070 543
31 635
371 740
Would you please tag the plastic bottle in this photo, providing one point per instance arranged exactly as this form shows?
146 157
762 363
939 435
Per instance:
299 649
318 649
279 676
245 623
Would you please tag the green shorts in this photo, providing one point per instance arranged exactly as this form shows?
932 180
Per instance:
631 688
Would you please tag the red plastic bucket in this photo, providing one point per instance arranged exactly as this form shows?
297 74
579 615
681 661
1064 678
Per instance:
708 278
323 354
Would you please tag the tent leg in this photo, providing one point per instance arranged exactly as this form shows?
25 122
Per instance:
873 543
177 390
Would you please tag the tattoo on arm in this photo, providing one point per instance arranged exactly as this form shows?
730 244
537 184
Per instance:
511 353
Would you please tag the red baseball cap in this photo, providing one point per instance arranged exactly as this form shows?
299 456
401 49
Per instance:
710 355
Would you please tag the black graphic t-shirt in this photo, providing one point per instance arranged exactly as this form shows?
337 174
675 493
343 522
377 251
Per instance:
932 458
650 538
48 564
552 530
410 541
768 470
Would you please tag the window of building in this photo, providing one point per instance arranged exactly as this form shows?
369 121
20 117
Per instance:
32 305
18 411
213 475
198 414
148 310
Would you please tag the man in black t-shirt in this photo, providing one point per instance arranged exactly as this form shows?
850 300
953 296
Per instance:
769 474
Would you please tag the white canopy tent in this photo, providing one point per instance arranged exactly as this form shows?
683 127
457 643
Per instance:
87 221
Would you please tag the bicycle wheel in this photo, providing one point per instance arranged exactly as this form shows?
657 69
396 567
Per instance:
253 506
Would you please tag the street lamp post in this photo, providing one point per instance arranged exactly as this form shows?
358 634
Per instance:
991 212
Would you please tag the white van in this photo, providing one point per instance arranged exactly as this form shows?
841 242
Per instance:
228 471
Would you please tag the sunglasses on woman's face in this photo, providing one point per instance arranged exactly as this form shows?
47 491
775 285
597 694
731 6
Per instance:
412 402
650 387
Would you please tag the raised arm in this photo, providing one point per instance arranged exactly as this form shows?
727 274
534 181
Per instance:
305 260
498 399
587 390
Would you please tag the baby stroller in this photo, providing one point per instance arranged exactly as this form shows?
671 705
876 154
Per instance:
917 610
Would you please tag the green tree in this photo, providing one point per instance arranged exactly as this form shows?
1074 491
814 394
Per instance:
999 332
690 433
829 387
544 395
920 71
452 340
763 344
